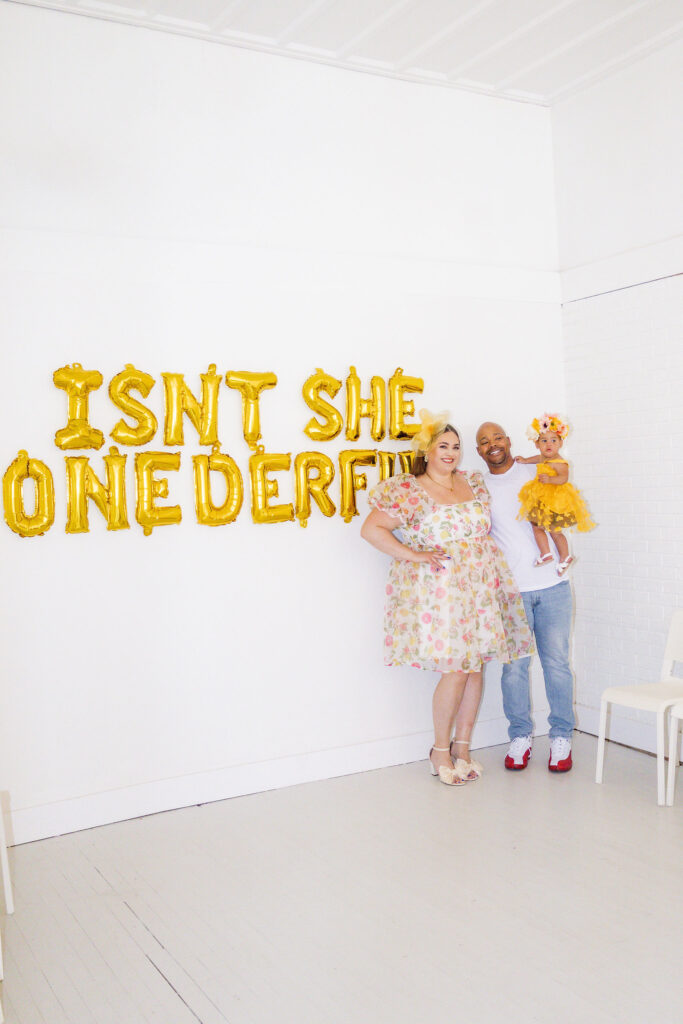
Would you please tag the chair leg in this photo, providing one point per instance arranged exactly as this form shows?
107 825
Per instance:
674 726
4 866
661 732
601 741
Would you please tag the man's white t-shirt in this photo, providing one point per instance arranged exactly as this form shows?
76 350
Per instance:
514 536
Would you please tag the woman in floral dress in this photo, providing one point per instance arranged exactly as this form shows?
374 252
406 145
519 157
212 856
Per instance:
451 603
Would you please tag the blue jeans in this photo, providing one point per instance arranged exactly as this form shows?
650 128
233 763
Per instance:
549 615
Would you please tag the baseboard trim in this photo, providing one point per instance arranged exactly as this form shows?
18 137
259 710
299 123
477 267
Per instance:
28 824
620 729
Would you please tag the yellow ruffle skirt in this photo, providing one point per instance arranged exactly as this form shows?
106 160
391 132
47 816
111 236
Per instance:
553 507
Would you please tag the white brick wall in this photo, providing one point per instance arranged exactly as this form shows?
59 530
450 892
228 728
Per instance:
624 377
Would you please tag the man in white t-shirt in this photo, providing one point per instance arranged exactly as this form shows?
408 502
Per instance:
548 604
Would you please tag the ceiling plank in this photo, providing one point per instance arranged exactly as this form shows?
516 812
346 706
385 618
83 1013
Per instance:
230 9
552 10
313 10
617 63
537 51
372 26
578 40
409 58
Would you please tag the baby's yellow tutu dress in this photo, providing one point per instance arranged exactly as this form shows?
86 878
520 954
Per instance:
553 507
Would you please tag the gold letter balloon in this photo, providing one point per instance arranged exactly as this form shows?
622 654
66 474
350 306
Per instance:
147 513
209 514
119 386
82 483
250 385
78 383
357 407
332 420
179 400
315 487
262 488
352 482
218 482
16 517
400 407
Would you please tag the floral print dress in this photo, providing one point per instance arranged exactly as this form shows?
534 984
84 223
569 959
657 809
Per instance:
468 613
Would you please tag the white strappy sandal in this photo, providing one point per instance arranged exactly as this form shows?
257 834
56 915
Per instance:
449 776
563 566
469 770
543 559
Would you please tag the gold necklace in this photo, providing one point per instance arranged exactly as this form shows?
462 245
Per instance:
450 489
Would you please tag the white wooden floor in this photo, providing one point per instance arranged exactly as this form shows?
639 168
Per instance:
382 898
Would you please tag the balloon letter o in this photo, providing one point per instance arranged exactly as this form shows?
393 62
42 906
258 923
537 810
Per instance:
43 517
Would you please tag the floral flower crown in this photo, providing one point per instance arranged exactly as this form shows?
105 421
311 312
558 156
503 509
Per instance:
547 422
432 426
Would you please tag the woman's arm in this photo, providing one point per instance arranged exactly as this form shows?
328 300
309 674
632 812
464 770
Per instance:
378 530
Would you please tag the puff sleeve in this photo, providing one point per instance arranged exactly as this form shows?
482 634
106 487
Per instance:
393 497
479 488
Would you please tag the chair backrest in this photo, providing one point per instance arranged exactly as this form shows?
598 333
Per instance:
674 648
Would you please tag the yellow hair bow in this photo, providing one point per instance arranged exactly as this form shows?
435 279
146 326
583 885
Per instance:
432 426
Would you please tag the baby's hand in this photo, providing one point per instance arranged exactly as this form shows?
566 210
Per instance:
520 458
544 478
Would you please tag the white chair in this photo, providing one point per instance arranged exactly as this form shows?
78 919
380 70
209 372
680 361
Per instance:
656 697
674 726
7 888
4 866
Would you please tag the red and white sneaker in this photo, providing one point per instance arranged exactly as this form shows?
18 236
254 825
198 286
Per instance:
518 753
560 755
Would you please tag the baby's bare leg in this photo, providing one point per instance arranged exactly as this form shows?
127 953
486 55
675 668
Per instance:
541 538
560 542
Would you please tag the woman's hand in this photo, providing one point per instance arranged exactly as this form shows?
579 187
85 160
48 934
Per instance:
378 530
434 558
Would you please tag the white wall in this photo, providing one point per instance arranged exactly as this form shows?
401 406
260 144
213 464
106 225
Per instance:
624 367
619 162
618 159
171 203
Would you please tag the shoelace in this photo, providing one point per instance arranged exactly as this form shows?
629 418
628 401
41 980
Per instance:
560 748
519 745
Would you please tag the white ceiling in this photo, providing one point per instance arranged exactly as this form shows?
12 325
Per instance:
537 51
